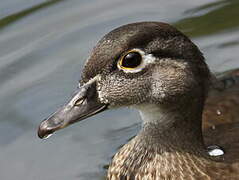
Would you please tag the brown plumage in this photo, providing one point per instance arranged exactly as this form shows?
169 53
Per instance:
184 109
222 104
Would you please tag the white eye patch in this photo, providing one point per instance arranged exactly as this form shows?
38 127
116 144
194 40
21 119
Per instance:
146 59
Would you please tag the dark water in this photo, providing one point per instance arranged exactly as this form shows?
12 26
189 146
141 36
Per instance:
42 50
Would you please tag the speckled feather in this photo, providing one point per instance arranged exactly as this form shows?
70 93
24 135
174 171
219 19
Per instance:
139 161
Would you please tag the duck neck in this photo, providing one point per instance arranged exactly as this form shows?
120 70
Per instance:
170 142
177 128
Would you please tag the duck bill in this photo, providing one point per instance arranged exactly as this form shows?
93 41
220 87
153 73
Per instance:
83 104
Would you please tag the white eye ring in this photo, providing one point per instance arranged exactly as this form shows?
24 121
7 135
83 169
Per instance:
146 59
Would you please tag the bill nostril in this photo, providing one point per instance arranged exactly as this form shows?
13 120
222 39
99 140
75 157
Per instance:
79 102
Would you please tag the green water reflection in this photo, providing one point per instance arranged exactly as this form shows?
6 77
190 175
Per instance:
223 17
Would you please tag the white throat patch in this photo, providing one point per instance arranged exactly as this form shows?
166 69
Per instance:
151 113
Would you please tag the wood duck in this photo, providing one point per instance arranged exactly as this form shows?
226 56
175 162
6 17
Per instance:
153 67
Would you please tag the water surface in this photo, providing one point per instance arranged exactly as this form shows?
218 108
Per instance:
43 46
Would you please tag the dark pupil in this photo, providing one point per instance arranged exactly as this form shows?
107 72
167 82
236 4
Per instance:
132 60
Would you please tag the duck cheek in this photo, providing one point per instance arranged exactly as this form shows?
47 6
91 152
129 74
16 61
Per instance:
122 93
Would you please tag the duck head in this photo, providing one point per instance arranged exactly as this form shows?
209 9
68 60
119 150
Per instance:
136 65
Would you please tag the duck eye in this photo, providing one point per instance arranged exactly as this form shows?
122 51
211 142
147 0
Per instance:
130 60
